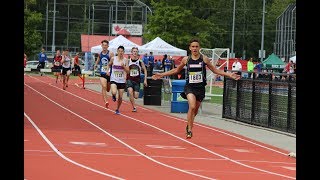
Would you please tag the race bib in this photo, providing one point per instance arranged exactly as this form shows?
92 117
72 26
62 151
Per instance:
104 69
195 77
134 72
57 63
118 74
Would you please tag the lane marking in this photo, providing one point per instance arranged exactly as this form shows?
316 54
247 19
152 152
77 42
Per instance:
164 157
225 133
62 155
98 127
164 147
182 139
241 150
195 123
289 167
88 143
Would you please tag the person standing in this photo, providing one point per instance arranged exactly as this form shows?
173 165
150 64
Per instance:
194 90
151 63
250 67
42 57
66 68
133 69
103 61
25 60
117 76
236 66
167 64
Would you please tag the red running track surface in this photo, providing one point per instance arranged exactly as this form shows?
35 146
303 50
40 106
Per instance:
69 134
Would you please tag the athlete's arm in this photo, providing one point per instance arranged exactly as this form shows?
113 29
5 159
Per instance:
218 71
172 71
126 65
145 73
108 66
97 61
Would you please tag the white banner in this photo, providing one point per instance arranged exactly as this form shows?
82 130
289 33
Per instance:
133 29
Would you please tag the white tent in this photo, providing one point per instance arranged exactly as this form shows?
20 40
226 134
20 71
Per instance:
160 47
293 58
115 43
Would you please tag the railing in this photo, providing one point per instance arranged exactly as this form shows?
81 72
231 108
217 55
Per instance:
266 99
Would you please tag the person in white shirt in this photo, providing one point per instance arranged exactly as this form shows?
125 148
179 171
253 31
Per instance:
117 76
236 66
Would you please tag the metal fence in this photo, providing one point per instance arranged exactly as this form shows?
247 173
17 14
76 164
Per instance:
285 41
264 101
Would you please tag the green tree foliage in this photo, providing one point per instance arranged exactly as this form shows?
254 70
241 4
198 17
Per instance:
177 25
215 19
32 38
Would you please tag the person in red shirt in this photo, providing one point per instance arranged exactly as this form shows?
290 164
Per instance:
25 60
77 69
57 66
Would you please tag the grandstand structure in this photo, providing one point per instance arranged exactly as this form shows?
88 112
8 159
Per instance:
285 41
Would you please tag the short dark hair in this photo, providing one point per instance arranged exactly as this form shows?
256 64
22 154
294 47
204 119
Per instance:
194 40
121 47
105 41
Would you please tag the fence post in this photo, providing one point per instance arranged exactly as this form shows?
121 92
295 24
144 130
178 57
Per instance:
270 101
238 95
253 98
224 94
289 105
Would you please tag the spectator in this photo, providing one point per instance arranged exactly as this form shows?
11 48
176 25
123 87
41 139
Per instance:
236 66
42 57
151 63
250 67
25 60
258 68
145 60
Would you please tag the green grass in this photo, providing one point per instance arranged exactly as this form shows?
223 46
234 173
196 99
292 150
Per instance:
214 99
216 90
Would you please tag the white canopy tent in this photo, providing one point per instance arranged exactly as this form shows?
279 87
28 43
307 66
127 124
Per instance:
115 43
159 47
293 58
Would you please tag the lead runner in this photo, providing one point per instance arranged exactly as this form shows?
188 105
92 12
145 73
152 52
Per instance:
194 90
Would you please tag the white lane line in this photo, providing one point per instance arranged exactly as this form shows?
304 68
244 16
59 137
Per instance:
182 139
225 133
211 128
135 150
164 157
62 155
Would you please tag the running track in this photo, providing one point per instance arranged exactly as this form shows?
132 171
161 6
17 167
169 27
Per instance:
69 134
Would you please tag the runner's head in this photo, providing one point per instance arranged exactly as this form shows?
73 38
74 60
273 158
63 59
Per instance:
194 46
135 51
104 45
120 51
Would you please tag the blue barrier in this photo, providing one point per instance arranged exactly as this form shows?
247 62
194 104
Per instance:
178 104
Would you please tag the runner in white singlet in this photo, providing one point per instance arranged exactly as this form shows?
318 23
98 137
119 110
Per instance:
117 76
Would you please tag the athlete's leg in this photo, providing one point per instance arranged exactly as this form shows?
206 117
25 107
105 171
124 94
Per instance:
130 91
103 83
113 88
192 110
108 86
120 94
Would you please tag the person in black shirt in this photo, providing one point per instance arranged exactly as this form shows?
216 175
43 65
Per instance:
194 90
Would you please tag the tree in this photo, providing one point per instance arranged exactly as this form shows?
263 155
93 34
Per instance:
32 38
177 26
